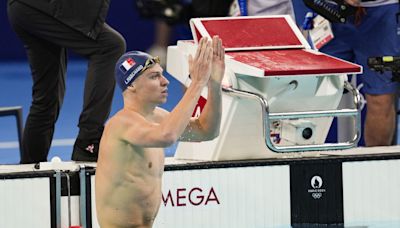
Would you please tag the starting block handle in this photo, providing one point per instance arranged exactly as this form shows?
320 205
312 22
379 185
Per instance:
267 117
313 114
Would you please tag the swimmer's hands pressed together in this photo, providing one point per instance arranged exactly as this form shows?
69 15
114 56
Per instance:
200 64
218 61
206 126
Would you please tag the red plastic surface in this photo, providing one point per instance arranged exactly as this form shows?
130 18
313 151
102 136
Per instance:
293 62
260 32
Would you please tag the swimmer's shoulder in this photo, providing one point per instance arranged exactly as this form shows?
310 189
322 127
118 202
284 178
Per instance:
161 113
122 120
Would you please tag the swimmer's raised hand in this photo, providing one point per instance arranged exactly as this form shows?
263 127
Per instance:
218 60
200 64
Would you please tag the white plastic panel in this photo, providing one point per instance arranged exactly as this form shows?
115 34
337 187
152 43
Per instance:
230 197
371 193
25 202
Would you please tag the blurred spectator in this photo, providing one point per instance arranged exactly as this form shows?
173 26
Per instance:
162 38
371 33
170 15
48 29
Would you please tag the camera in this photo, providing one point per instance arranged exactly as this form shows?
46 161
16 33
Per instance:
298 132
335 11
386 63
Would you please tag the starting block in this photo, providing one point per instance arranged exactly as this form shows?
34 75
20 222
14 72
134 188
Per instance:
279 95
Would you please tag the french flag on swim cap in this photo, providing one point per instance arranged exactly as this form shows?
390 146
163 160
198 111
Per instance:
127 65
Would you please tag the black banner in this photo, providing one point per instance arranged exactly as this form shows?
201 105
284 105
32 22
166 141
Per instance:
316 194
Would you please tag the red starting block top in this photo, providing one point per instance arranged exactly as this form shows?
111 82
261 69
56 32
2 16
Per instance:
273 44
250 33
294 62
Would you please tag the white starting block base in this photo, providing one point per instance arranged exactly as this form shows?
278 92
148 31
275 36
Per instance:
279 95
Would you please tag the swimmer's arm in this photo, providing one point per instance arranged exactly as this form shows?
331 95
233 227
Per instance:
207 126
170 128
144 133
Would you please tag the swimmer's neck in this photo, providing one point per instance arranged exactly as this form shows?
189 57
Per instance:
144 110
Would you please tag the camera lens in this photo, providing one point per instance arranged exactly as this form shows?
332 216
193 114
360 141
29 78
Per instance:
307 133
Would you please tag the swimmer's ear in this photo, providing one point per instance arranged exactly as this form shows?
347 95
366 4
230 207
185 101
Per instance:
131 88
